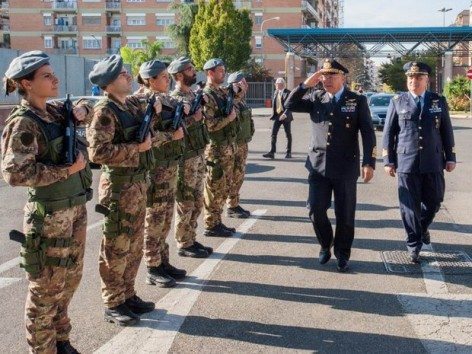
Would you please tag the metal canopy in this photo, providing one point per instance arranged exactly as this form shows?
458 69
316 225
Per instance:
373 42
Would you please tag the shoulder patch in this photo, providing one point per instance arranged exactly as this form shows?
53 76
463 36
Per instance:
26 138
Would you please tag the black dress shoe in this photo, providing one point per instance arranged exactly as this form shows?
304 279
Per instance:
158 276
218 231
288 155
193 252
175 273
426 238
343 265
64 347
121 315
325 256
415 256
206 248
238 212
269 155
139 306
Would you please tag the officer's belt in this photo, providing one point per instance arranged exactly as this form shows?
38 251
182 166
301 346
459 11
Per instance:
51 206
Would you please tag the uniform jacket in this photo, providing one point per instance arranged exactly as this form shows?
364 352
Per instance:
334 147
417 141
276 116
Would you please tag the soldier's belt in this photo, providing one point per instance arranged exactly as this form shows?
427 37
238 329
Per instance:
51 206
123 179
193 153
167 163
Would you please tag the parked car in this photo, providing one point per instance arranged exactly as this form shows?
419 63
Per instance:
369 94
378 105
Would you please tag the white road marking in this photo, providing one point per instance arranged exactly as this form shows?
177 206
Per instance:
4 282
157 330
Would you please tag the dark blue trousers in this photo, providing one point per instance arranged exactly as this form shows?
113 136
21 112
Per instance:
420 195
321 190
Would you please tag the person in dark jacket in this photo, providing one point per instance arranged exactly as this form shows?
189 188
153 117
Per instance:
418 144
337 115
281 117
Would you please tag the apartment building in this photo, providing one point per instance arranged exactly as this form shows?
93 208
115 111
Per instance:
4 24
94 28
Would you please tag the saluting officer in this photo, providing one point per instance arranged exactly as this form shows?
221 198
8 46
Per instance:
418 143
337 116
55 220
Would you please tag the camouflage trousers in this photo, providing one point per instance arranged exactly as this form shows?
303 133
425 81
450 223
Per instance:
121 251
219 173
161 201
50 292
239 170
190 205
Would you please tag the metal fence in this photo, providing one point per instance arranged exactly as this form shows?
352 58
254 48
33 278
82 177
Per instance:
259 92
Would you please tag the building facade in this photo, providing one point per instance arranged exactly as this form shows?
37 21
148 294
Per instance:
95 28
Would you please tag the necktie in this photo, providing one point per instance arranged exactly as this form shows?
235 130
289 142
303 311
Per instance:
279 103
418 103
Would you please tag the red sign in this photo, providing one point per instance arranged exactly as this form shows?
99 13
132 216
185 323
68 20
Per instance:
469 74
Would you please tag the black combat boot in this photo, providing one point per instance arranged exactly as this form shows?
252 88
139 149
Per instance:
175 273
238 212
138 306
193 251
158 276
206 248
64 347
219 231
232 229
121 315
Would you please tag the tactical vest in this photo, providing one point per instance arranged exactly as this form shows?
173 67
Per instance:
126 131
169 153
75 190
246 125
227 135
196 140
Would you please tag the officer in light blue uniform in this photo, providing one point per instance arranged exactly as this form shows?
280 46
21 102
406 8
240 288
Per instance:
418 144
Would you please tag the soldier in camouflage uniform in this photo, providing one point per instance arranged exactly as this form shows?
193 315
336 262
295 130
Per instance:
55 215
219 154
191 170
122 189
161 195
244 136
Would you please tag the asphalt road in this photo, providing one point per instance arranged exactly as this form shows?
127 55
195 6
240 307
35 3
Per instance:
263 290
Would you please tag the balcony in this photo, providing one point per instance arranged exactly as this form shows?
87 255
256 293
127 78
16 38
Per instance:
239 4
113 6
65 29
5 28
65 6
4 5
71 50
309 10
113 29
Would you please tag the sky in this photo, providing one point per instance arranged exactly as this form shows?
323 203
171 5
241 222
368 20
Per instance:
401 13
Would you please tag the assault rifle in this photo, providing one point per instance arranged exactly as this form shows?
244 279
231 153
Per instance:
70 136
145 126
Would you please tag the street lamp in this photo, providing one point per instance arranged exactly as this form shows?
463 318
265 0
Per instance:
444 10
262 33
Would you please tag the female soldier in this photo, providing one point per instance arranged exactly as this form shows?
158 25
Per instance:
161 195
55 214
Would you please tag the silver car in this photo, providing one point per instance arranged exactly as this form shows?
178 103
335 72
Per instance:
378 105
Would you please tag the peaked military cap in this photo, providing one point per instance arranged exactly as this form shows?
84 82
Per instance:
235 77
416 68
26 63
106 70
213 63
178 65
331 66
151 68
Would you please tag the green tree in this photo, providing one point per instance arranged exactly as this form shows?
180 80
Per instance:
221 31
135 57
254 71
393 74
457 92
180 32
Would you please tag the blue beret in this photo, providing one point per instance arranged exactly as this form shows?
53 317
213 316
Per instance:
331 66
235 77
416 68
106 70
178 65
213 63
26 63
151 69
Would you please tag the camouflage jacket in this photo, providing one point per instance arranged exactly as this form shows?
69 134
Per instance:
23 141
213 121
188 96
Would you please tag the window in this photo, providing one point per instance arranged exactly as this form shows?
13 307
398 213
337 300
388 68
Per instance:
91 19
92 42
136 20
167 41
135 0
258 41
165 19
135 42
48 43
258 18
47 19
